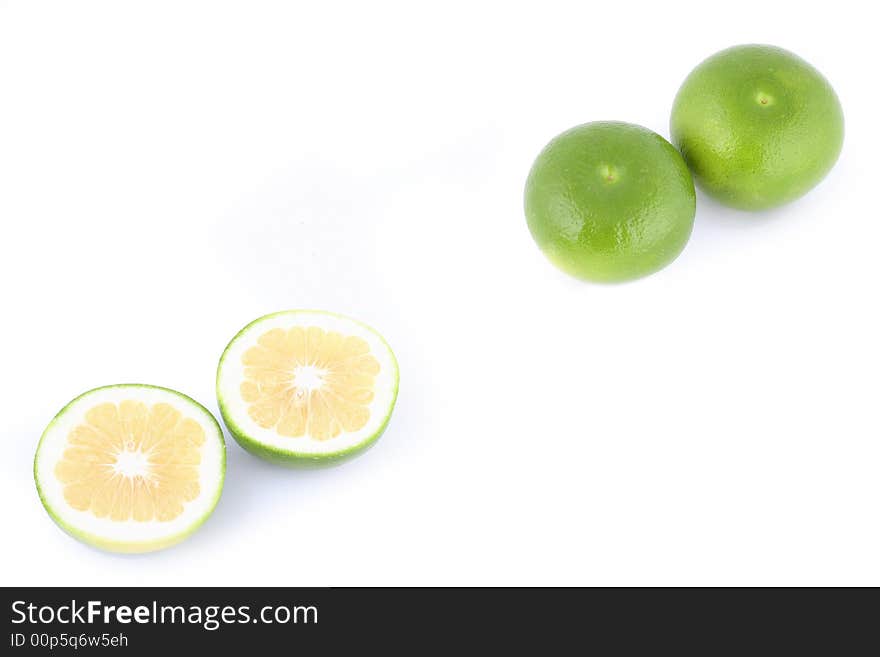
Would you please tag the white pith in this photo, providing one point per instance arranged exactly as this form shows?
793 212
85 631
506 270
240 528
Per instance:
132 463
308 378
129 463
231 375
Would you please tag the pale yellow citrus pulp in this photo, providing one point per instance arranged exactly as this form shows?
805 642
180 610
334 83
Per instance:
131 461
306 381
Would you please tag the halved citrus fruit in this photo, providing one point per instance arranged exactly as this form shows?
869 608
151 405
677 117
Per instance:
305 387
131 468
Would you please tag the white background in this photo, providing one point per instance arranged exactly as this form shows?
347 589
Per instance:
171 170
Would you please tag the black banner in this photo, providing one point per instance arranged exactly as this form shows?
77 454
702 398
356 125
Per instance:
551 621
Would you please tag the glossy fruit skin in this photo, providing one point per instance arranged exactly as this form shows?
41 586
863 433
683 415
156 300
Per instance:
757 125
610 201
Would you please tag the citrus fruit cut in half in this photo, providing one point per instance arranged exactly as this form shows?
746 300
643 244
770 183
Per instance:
610 201
757 125
304 387
131 468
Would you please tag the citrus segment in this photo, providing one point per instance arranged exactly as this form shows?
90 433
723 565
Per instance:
309 382
132 461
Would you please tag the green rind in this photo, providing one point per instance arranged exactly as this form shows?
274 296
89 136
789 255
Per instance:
751 154
611 229
138 547
292 458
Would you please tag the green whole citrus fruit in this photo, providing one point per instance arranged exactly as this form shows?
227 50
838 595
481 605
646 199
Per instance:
610 201
757 125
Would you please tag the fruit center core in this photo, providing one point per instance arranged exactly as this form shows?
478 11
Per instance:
764 99
308 377
132 463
